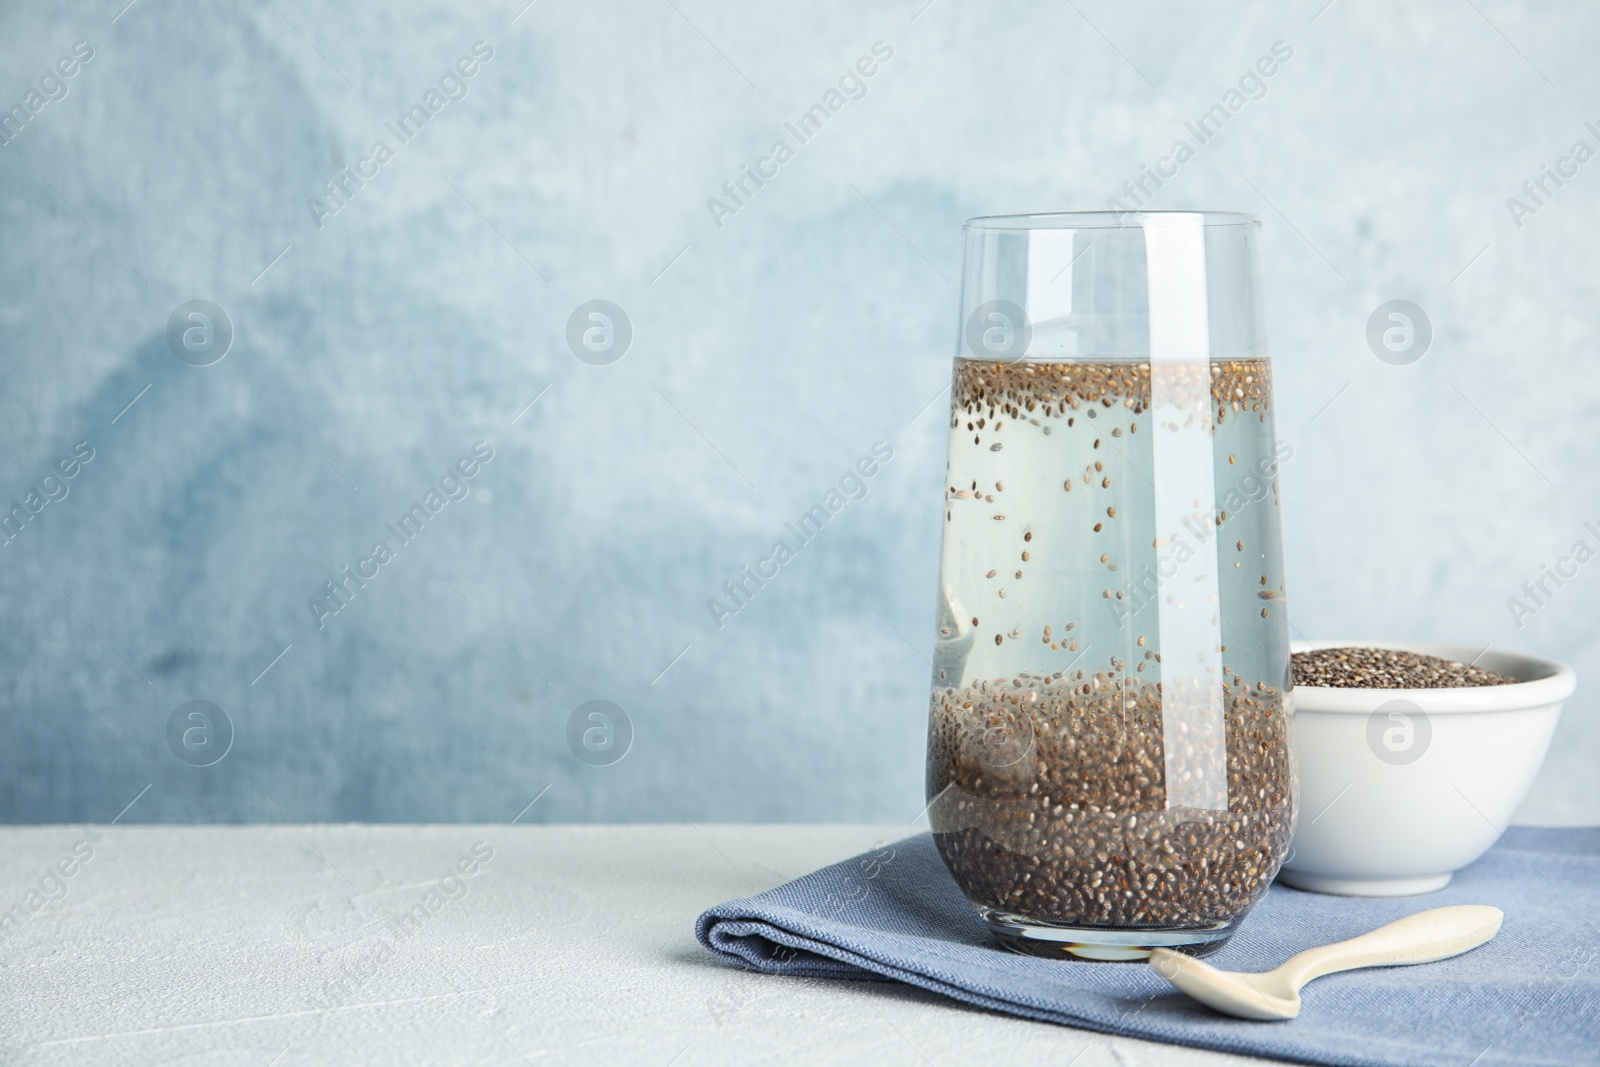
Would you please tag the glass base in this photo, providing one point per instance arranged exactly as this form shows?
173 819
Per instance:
1031 937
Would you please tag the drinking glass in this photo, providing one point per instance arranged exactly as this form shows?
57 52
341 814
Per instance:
1109 768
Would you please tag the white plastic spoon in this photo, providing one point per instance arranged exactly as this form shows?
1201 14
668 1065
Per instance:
1436 934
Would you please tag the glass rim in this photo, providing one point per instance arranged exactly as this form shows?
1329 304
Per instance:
1101 220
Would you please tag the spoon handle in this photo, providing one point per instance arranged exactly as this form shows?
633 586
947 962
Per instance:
1435 934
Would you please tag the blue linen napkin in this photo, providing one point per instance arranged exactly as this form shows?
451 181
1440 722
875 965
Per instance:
1532 995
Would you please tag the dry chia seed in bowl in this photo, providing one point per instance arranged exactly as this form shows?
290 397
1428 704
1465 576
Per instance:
1387 668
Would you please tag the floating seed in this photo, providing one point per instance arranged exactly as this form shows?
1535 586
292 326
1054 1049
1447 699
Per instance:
1078 831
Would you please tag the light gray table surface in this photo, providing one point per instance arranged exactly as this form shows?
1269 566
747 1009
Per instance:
569 944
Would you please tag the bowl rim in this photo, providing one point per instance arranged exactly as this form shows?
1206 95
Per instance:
1544 682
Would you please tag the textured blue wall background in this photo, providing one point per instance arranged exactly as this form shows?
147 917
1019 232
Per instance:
768 354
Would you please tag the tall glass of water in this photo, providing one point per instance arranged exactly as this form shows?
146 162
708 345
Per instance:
1109 766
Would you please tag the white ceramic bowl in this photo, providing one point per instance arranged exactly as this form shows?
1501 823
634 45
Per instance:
1401 788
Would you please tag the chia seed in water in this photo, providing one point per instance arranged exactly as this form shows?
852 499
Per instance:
1076 780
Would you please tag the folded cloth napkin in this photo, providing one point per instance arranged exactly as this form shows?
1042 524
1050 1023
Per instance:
1532 995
